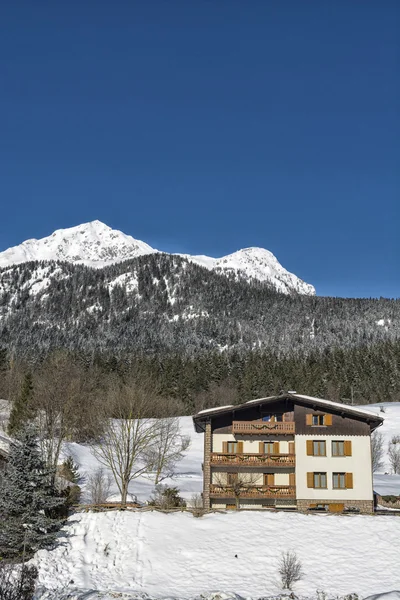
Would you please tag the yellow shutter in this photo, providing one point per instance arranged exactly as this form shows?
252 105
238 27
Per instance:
225 447
347 448
328 420
240 447
261 447
291 447
310 480
310 448
309 419
349 481
276 447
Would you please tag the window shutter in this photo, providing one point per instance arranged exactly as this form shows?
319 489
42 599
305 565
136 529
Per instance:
291 447
309 419
310 480
240 447
310 448
349 481
347 448
276 447
292 480
225 447
328 420
261 448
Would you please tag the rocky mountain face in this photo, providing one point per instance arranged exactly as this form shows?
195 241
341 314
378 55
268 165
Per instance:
97 245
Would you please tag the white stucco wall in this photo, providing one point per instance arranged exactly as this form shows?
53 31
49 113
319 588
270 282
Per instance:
359 464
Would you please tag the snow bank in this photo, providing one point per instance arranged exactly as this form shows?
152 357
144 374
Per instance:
179 556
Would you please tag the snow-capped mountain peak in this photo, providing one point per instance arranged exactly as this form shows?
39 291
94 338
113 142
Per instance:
92 243
97 245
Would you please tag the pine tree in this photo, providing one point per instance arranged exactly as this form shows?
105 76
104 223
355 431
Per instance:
28 502
22 410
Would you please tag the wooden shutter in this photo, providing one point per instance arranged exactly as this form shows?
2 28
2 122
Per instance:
310 448
261 448
347 448
310 480
269 479
309 419
225 447
291 447
240 447
349 481
292 479
276 447
328 420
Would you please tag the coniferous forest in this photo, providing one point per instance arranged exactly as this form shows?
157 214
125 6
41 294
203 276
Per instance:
200 338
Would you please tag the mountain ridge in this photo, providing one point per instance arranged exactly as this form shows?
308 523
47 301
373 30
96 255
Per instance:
97 245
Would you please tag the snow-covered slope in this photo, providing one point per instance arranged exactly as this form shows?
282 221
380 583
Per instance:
98 245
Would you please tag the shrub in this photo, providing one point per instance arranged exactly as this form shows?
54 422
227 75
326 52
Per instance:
290 569
197 506
167 497
69 470
99 486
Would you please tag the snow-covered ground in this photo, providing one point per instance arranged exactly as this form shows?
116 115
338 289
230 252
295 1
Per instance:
182 556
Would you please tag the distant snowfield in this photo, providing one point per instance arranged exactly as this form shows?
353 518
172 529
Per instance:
178 555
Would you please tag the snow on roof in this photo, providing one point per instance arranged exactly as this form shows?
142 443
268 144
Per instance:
206 410
321 401
362 411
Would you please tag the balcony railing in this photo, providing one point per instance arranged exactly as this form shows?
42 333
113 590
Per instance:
253 460
254 492
263 427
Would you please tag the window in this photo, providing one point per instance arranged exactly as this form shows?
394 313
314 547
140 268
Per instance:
269 448
232 447
273 418
339 481
316 447
318 419
319 448
337 448
320 480
340 448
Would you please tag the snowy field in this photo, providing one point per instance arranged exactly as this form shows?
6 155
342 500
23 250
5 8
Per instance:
180 556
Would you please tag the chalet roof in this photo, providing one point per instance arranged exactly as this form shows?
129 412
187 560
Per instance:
354 411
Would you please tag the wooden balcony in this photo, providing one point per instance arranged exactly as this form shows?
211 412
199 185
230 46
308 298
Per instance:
253 460
254 492
263 427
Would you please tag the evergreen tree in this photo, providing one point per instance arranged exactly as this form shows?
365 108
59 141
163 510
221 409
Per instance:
22 410
28 502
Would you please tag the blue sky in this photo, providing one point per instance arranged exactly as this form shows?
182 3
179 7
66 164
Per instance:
208 126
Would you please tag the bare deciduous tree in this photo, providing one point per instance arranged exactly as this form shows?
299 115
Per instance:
167 448
377 451
290 569
127 436
99 486
236 484
394 455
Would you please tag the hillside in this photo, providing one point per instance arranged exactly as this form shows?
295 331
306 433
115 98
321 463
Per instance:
163 303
